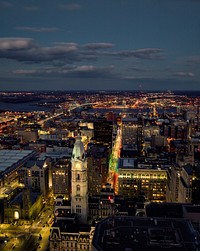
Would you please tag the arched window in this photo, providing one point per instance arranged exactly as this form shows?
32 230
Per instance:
78 176
78 189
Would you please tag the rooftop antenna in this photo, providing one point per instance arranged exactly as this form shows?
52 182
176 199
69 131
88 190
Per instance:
140 87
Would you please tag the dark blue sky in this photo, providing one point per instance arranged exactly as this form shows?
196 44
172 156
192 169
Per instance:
100 44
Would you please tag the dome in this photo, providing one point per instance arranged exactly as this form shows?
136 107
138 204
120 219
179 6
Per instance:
78 152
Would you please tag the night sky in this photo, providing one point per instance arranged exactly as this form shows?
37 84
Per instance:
100 45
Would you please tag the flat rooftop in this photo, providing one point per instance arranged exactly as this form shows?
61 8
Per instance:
9 158
135 233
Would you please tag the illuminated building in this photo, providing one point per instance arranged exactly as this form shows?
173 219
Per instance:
97 163
129 131
196 185
107 202
10 162
132 137
69 236
79 181
28 132
61 177
35 175
177 130
179 187
22 204
150 130
103 133
134 179
70 230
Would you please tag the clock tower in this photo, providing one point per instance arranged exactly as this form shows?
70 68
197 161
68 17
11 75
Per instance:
79 182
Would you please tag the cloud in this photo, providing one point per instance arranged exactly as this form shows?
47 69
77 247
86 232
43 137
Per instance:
184 74
40 29
14 44
24 72
5 4
69 71
27 50
90 71
96 46
71 7
144 53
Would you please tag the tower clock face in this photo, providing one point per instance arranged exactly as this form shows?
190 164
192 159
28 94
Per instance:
78 165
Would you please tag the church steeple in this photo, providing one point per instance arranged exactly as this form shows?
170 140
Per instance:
79 181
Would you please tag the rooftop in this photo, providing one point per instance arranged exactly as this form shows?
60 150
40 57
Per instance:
140 233
10 158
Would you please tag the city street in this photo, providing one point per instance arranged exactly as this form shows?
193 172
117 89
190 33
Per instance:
32 237
113 163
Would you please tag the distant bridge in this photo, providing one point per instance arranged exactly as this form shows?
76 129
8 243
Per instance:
70 108
77 106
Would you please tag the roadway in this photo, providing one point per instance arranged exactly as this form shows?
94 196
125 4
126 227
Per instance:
113 163
28 237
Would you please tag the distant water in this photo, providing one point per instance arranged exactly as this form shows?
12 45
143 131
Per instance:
188 93
22 107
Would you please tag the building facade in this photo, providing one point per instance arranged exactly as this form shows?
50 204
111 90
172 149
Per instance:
97 166
179 188
35 175
134 179
79 181
61 178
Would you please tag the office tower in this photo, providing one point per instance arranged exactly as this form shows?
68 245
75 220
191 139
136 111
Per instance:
61 177
179 188
79 181
132 137
97 164
103 133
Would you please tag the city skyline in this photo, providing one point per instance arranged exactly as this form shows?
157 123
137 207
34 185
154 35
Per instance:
100 45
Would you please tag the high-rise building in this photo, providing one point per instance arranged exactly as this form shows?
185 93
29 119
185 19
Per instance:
61 177
103 133
179 188
129 131
79 181
97 164
132 136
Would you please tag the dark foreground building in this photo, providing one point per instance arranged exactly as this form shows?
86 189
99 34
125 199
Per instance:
135 233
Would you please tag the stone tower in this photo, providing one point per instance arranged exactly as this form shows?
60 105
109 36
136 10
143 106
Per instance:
79 182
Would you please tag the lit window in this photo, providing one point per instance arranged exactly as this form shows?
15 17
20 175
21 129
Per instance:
78 209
